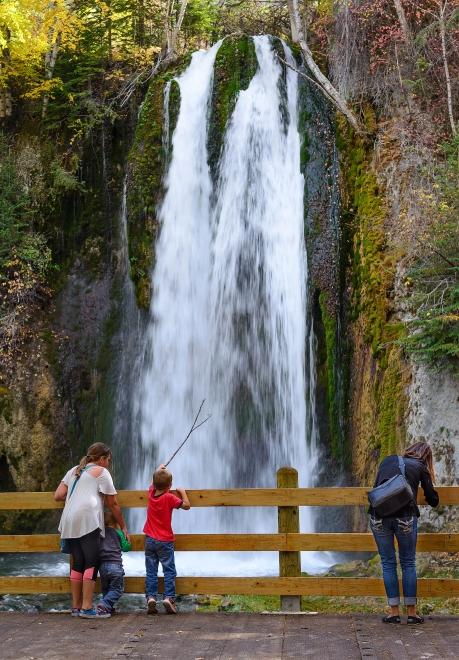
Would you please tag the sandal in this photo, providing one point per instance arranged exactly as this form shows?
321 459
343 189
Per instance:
392 619
415 619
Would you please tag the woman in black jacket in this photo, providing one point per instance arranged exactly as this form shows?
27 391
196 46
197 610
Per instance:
403 525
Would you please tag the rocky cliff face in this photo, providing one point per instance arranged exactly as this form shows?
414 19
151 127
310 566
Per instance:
58 396
393 401
433 400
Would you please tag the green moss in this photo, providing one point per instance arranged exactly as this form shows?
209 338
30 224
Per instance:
373 265
235 66
330 329
390 398
146 165
174 108
371 273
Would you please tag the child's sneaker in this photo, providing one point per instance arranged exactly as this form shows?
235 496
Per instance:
75 611
170 606
151 606
102 612
88 614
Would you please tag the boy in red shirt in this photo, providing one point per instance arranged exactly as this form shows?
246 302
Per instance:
159 541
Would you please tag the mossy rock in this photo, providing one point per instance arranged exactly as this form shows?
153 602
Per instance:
147 165
235 65
372 264
391 404
371 273
146 161
329 374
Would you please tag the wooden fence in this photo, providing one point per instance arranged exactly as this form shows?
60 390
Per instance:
288 542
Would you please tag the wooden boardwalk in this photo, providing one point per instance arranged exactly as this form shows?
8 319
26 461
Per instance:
225 637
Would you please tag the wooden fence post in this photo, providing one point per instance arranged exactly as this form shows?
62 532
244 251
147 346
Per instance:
288 520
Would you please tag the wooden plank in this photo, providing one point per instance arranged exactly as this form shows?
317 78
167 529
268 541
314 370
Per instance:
343 542
449 495
288 521
307 586
231 542
29 543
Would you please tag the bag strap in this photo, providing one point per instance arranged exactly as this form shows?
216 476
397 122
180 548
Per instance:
77 478
401 465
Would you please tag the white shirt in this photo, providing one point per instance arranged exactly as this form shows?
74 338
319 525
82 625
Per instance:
84 509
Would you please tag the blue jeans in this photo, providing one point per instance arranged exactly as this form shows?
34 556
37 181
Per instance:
112 583
405 530
156 552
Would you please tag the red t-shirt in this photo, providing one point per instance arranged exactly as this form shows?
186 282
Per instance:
159 515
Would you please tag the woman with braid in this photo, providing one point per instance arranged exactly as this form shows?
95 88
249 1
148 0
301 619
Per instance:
86 488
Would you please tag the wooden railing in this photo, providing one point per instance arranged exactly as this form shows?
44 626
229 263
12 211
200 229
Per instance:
288 542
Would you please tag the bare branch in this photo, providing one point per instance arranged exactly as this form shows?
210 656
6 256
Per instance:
194 426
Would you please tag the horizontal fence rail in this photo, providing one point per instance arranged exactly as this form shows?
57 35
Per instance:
289 542
338 542
449 495
260 586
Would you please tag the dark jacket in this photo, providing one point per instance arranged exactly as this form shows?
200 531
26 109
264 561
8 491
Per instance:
415 472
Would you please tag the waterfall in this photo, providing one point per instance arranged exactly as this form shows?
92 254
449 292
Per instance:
229 317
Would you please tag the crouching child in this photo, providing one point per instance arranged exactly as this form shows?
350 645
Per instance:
111 566
159 540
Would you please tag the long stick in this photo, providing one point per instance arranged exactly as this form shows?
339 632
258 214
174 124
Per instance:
194 426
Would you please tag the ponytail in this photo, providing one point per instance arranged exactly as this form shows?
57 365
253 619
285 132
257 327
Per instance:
95 452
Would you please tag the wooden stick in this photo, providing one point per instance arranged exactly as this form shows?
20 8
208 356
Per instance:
194 426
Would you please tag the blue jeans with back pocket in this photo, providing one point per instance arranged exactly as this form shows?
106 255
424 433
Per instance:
405 530
157 552
112 583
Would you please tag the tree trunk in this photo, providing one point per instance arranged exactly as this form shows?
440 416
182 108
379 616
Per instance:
54 41
291 11
403 22
441 21
50 63
332 93
172 46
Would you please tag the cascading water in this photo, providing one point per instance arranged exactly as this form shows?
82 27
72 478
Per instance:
228 319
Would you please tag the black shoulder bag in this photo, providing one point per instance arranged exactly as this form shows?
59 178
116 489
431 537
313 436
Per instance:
392 495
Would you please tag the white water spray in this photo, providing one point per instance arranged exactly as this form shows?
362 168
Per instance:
228 319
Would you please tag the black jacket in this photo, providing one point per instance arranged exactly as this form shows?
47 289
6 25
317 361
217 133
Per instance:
415 471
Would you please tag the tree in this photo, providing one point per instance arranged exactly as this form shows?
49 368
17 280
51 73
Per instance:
31 32
444 17
338 101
